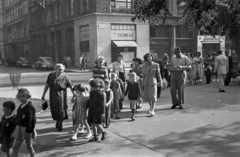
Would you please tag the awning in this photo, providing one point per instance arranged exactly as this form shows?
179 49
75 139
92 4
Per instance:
125 43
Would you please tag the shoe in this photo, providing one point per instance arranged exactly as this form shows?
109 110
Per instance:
89 136
133 117
104 135
152 113
139 106
117 117
173 106
60 127
180 107
107 126
149 112
222 90
56 126
81 131
95 138
73 138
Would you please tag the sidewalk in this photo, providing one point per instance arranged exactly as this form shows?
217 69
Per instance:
207 126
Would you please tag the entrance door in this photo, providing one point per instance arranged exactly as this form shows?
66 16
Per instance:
209 48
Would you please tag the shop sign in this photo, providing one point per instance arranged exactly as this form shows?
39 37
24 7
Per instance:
84 36
211 39
123 35
101 26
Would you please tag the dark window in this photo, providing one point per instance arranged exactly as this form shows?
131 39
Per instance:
123 27
160 31
183 32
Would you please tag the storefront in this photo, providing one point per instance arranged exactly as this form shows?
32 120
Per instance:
123 41
208 44
109 35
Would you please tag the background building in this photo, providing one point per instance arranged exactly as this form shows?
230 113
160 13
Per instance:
1 35
16 28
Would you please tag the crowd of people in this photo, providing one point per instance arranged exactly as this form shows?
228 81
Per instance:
93 108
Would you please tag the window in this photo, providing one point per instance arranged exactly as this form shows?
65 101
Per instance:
84 28
123 27
71 7
121 4
180 8
183 32
160 31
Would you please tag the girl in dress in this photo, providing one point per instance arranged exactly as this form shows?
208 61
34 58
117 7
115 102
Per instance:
79 112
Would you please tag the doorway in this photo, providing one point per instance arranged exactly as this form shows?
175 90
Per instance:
209 48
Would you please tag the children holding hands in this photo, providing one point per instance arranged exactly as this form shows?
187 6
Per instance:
134 93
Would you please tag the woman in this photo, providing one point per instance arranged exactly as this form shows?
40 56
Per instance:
235 64
200 65
58 82
151 78
119 67
208 68
193 70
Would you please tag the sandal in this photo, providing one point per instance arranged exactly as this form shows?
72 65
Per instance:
95 138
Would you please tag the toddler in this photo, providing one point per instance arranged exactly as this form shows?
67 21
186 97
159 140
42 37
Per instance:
109 99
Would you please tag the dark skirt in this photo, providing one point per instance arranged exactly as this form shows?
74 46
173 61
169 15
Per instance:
122 76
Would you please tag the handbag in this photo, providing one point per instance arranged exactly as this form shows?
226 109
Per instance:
44 105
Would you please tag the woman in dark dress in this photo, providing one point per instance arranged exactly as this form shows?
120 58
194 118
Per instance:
58 82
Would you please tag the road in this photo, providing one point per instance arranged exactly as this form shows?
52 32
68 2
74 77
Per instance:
33 77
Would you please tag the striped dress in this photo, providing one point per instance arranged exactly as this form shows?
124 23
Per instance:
99 72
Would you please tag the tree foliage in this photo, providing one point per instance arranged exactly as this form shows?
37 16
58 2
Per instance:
208 15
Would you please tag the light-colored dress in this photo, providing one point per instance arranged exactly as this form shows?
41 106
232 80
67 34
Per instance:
193 70
80 112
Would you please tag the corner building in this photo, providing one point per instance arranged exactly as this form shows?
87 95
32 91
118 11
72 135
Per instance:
105 29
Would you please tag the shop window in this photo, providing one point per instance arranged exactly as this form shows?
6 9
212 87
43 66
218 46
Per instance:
84 28
183 32
85 48
123 27
160 31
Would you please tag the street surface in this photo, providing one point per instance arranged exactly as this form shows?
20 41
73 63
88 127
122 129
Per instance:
208 126
30 76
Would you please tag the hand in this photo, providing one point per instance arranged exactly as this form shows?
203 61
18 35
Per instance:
43 98
179 67
72 100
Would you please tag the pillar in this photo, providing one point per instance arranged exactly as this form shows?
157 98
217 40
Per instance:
173 41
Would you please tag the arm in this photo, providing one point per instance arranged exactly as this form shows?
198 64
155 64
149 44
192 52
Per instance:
111 99
161 68
139 89
126 92
30 117
216 65
102 101
158 75
44 91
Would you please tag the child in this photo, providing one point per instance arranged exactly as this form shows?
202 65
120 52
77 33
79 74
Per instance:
7 126
25 121
96 104
109 99
117 94
134 92
80 111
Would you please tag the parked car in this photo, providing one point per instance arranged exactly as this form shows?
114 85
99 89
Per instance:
11 61
23 62
44 63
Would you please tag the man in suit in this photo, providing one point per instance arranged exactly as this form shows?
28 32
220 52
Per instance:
160 63
178 65
221 68
230 67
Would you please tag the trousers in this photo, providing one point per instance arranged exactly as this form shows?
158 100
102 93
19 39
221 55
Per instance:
178 81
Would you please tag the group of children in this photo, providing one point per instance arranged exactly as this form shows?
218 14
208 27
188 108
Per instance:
14 129
91 110
95 108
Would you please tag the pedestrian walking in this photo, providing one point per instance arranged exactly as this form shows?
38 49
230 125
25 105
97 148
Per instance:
221 68
208 68
230 67
134 93
151 79
119 68
235 64
160 63
81 62
80 112
178 66
117 94
7 126
96 105
25 123
58 82
99 70
109 101
193 70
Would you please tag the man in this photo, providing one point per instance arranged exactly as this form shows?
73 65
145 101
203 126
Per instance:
99 70
156 60
179 64
230 67
221 68
80 62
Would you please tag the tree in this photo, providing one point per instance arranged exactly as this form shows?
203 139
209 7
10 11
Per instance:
208 15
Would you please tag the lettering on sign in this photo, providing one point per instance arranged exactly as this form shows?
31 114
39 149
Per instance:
123 35
101 26
212 39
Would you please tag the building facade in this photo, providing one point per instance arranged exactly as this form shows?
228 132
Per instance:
15 28
1 36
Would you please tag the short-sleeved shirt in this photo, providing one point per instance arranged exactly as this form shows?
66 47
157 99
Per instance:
118 67
182 61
